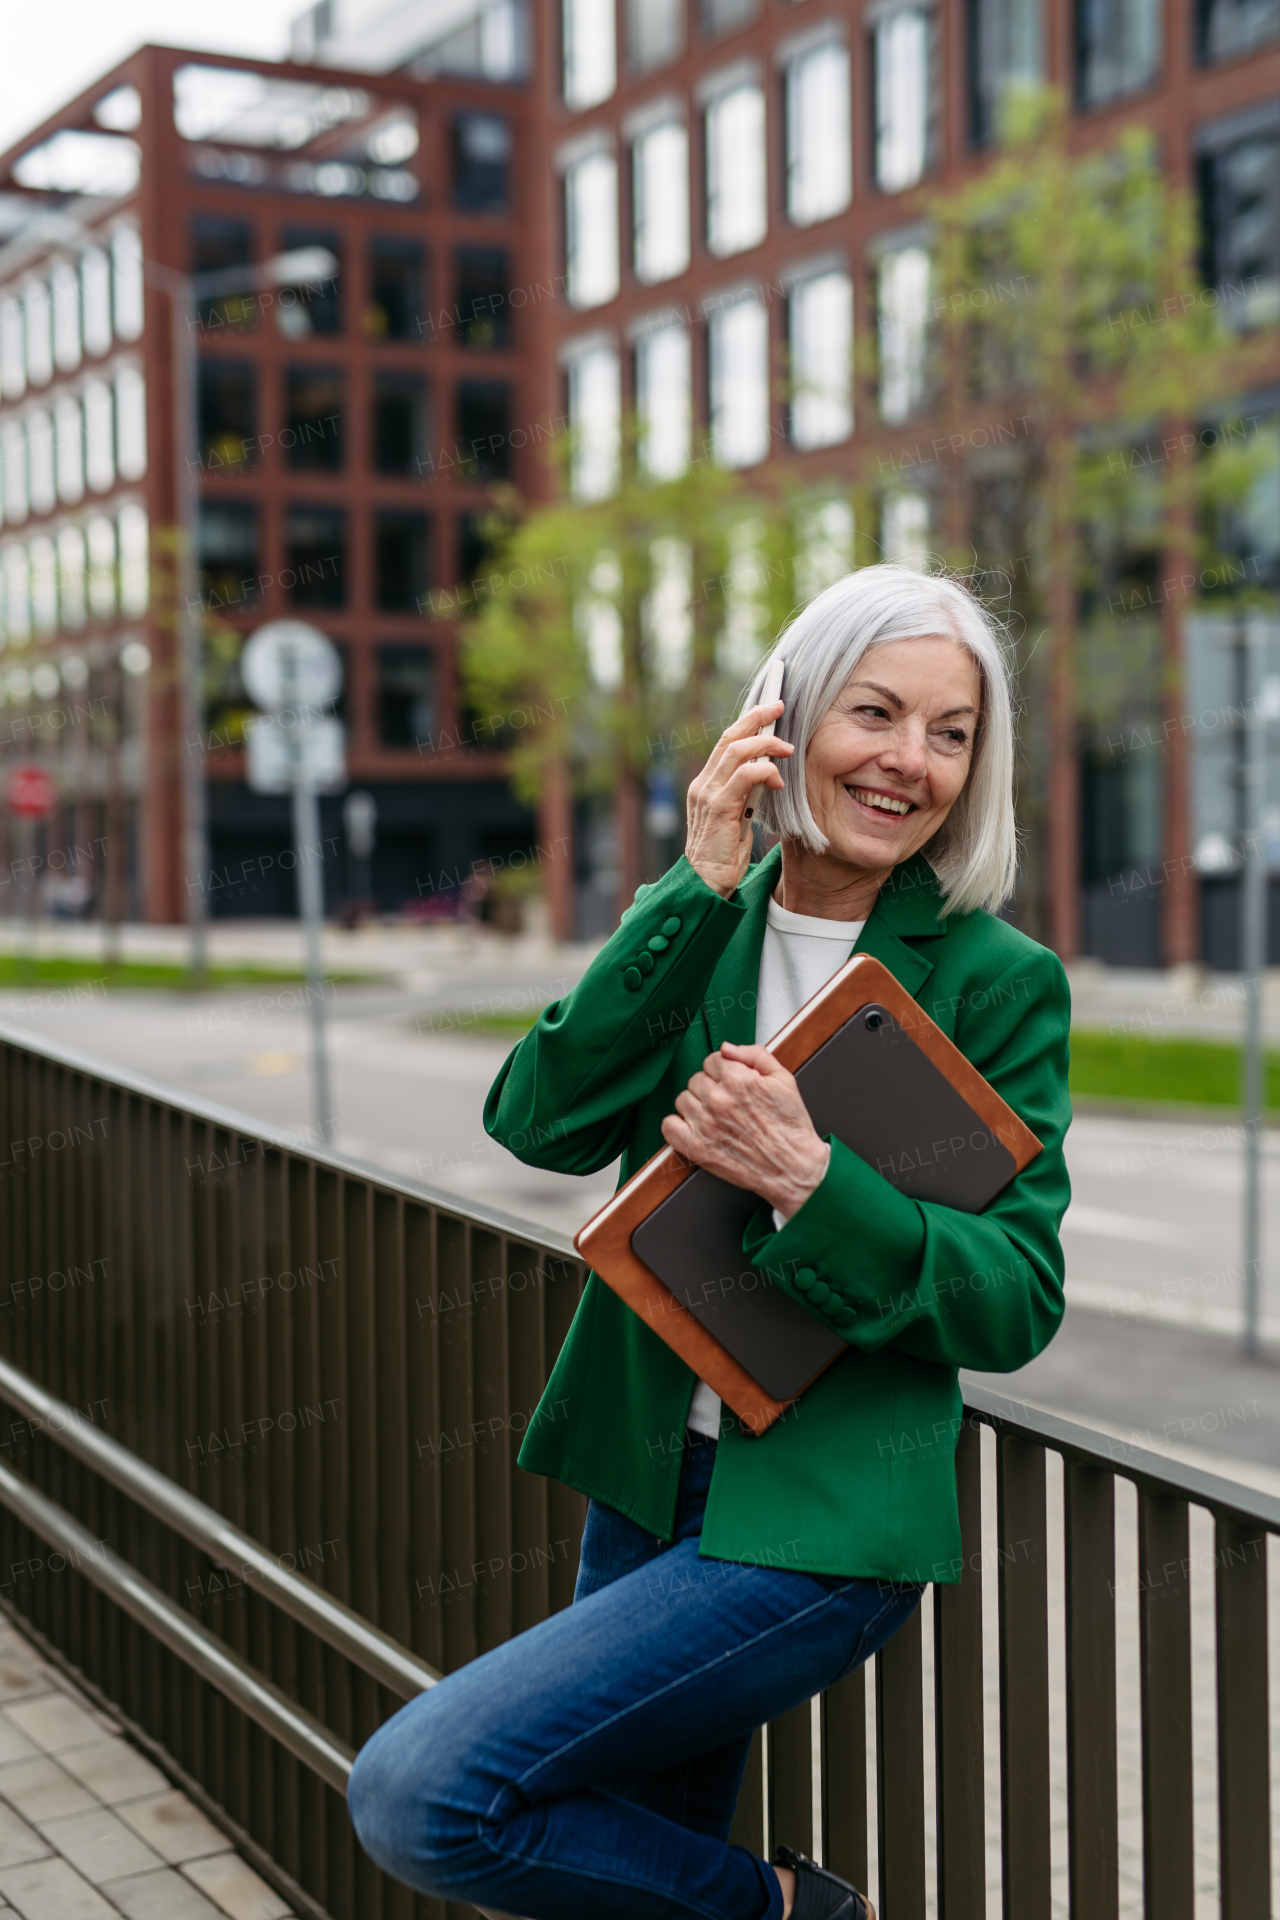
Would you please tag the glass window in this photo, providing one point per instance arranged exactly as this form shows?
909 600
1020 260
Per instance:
40 473
483 412
824 549
598 620
902 99
1005 55
737 207
69 448
591 230
660 201
17 593
71 577
406 695
666 613
655 32
399 422
99 436
230 557
131 423
13 349
135 560
44 584
396 302
305 307
475 544
590 56
220 245
13 442
904 528
126 282
1240 225
315 544
482 296
822 360
819 153
399 560
721 16
95 300
595 423
1229 27
64 287
744 636
101 534
227 414
739 342
1117 48
664 400
39 334
312 435
481 163
903 316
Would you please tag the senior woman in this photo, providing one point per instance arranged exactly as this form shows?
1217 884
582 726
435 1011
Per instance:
590 1766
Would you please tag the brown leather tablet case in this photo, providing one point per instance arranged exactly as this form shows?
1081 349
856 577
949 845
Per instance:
876 1072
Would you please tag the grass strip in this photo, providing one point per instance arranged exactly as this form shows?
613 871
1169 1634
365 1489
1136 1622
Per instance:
1128 1067
18 970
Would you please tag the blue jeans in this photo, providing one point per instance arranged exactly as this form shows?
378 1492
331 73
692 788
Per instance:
591 1765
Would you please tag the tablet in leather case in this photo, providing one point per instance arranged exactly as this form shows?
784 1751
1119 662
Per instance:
879 1075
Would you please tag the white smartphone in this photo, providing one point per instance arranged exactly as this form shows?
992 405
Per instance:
772 690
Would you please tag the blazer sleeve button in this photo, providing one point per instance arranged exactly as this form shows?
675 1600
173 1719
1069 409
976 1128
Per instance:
845 1316
631 979
671 926
645 962
805 1278
819 1293
659 943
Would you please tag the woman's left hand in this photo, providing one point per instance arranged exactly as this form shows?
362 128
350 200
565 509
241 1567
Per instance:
742 1118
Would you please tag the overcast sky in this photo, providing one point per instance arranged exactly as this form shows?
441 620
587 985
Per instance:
51 50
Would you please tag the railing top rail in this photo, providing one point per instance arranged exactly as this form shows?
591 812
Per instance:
1150 1470
279 1137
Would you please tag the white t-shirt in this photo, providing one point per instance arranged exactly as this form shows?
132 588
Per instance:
799 955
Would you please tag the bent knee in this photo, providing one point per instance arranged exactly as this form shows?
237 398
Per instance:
405 1802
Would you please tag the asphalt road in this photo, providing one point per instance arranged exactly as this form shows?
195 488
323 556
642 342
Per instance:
1154 1280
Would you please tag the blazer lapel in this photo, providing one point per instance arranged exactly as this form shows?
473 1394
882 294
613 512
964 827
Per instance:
730 1004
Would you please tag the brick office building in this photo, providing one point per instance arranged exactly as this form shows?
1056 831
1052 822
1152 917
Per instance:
705 192
348 432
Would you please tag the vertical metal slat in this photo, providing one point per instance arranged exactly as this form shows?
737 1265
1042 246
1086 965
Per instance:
900 1761
1024 1677
958 1737
791 1779
1164 1638
844 1778
1244 1816
1092 1816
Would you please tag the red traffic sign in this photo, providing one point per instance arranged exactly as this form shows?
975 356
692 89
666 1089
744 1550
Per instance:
30 792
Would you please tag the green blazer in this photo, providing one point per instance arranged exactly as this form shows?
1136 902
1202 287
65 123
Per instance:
858 1477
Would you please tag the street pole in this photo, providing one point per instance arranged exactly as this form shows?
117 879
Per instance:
195 829
1254 956
307 849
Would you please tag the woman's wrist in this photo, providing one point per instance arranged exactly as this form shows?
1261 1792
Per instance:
794 1186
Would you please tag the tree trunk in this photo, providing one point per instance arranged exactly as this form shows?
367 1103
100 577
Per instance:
628 811
555 848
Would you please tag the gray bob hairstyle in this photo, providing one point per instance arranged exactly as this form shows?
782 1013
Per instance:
974 852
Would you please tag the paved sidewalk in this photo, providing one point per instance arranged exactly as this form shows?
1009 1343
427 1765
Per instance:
89 1829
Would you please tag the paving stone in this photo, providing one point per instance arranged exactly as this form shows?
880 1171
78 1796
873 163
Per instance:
55 1722
113 1770
99 1845
14 1745
235 1888
20 1676
18 1842
165 1895
52 1890
173 1826
40 1790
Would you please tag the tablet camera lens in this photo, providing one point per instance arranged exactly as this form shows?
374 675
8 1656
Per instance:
873 1022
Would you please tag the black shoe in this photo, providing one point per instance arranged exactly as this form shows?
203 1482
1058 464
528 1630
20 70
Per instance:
819 1894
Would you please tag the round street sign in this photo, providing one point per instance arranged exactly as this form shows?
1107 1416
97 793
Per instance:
290 664
30 792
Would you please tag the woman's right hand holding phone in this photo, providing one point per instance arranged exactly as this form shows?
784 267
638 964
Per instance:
718 840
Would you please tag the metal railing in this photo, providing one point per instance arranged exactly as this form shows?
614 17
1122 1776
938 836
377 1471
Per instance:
269 1404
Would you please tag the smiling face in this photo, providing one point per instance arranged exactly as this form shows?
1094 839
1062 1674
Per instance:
890 757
